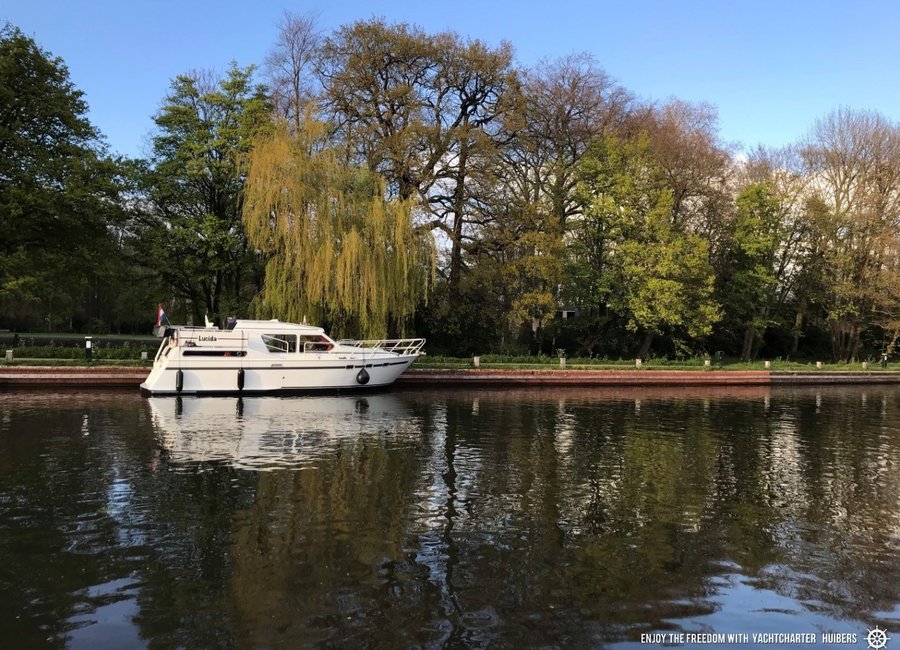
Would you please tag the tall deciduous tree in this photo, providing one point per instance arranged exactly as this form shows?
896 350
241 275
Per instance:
338 251
616 190
474 87
290 67
751 275
855 159
696 166
783 174
565 104
59 191
379 84
423 111
641 264
550 121
191 233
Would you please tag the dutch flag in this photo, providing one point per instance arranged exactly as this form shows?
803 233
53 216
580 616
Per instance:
161 315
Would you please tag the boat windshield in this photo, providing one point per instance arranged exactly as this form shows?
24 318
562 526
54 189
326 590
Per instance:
315 343
281 343
289 343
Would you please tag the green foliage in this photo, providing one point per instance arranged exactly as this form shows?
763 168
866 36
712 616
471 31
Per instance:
510 285
749 280
627 255
528 272
471 318
668 284
191 234
100 352
59 192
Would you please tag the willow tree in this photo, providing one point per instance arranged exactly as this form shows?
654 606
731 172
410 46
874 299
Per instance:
339 252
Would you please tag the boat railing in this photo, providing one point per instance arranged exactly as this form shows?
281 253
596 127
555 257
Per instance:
403 347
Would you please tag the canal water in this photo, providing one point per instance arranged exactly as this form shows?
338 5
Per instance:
457 519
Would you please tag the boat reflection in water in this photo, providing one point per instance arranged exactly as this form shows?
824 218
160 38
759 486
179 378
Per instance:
267 433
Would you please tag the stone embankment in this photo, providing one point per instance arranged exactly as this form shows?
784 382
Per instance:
76 377
482 376
110 377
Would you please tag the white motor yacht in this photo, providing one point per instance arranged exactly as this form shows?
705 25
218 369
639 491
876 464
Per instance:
272 357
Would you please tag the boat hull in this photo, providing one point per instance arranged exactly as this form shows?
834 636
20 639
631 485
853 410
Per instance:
243 377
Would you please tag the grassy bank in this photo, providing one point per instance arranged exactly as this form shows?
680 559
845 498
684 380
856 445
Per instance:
102 353
77 363
586 363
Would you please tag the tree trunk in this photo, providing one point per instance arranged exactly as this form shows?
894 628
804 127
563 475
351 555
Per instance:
747 348
798 328
645 346
459 206
456 255
835 332
844 341
853 348
759 336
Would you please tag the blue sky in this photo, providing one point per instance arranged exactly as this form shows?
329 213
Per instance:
771 68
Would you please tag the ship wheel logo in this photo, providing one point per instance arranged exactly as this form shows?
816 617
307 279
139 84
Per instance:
877 639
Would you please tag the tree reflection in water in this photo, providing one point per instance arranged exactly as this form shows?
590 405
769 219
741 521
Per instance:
452 518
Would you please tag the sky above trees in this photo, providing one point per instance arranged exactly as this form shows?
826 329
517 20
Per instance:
770 68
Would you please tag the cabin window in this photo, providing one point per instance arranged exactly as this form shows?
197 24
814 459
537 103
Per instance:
280 342
315 343
214 353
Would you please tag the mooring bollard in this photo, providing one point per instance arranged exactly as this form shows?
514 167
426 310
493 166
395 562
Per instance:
865 365
476 361
768 365
637 363
707 363
9 355
144 355
819 365
562 363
